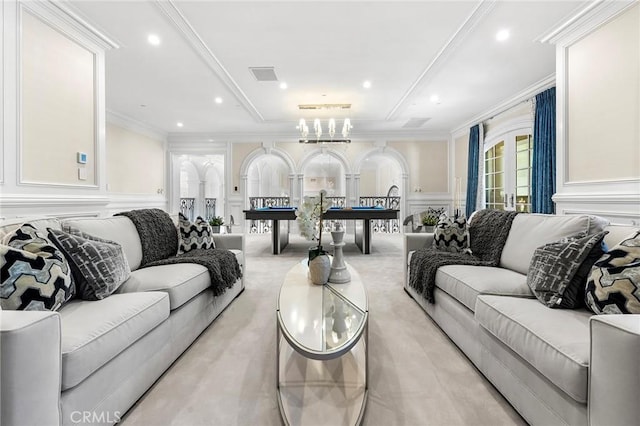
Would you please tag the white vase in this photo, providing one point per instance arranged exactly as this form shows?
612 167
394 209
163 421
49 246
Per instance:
319 268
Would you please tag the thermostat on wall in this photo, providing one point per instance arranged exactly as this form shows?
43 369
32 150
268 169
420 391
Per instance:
82 158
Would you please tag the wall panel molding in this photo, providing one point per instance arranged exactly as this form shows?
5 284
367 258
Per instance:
57 22
123 202
616 199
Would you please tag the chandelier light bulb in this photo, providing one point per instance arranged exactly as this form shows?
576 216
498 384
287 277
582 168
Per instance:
346 128
332 127
317 127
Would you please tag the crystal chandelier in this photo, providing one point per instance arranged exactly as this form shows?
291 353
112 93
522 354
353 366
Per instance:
303 128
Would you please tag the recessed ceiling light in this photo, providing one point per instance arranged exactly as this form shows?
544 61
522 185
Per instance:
218 100
179 124
435 99
366 84
502 35
283 85
153 39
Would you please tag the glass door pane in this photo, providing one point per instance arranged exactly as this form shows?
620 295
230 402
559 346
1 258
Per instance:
524 158
494 176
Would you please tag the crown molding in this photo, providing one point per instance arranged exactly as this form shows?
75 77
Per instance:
136 126
522 96
171 10
481 10
586 20
70 15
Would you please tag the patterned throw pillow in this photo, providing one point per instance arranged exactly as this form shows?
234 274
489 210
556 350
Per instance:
614 284
34 274
198 235
554 266
99 266
452 234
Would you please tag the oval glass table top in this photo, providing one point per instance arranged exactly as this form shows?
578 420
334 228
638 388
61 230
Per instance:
321 321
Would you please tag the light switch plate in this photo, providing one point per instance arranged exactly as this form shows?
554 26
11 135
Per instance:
82 173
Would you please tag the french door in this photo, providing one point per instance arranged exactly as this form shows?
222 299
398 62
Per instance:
507 172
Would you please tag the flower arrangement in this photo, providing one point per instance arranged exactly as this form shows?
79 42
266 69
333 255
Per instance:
309 218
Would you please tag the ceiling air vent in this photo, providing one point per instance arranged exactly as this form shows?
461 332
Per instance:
264 73
414 123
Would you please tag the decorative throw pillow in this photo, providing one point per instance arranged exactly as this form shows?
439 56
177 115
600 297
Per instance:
452 234
34 274
614 284
554 266
99 266
198 235
574 294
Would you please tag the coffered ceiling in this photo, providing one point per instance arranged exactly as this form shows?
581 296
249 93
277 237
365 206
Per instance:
324 52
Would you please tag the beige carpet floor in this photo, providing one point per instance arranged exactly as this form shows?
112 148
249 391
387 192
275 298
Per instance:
417 375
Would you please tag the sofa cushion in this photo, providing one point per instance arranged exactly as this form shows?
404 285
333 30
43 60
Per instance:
117 228
181 281
99 266
194 235
40 223
452 234
465 283
555 265
94 332
34 274
614 284
554 341
530 231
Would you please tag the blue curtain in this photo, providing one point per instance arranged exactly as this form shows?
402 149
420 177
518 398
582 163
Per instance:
543 170
472 169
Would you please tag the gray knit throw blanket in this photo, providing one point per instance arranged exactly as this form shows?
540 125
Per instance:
488 233
158 233
222 264
159 238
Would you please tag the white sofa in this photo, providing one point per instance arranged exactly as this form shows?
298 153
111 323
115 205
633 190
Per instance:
555 366
91 361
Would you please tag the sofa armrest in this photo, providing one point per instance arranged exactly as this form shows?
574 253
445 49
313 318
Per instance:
414 242
229 241
614 371
30 367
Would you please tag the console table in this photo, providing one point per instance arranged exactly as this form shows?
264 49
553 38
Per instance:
281 217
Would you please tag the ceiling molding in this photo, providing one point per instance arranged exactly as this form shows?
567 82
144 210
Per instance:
171 10
69 14
458 36
585 20
522 96
136 126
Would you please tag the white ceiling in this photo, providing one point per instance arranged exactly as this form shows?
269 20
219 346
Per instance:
323 51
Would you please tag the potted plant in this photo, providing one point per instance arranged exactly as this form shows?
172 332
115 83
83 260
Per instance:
216 222
309 218
429 222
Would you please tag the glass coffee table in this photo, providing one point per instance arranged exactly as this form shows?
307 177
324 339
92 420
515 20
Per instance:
321 349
